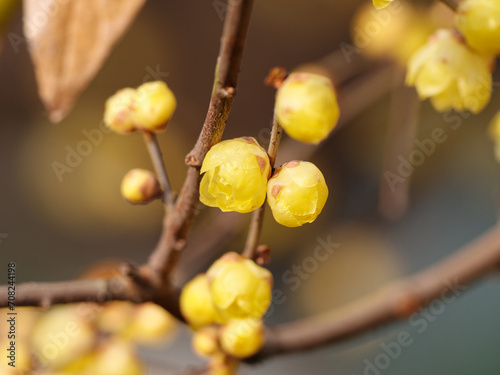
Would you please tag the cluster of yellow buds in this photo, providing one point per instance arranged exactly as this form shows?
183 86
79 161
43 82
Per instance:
149 108
453 69
86 338
237 175
225 307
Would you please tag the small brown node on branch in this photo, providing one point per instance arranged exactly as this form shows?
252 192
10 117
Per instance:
45 303
180 244
192 161
276 77
139 275
263 255
227 92
407 305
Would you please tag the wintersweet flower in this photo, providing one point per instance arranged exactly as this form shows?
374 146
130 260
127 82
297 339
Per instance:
306 107
154 105
395 32
240 288
297 193
236 174
452 75
242 338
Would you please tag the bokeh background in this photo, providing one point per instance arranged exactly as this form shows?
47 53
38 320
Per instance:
57 229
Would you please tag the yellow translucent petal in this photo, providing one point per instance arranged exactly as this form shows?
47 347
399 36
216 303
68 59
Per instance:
448 99
433 78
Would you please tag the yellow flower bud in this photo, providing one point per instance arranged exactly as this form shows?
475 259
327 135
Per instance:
479 21
117 358
379 4
151 324
115 316
140 186
236 174
196 302
240 288
221 364
206 341
306 107
242 338
61 336
154 106
297 193
451 74
118 109
395 32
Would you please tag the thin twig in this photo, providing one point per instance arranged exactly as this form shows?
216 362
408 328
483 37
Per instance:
178 221
159 165
452 4
254 231
396 301
258 215
403 121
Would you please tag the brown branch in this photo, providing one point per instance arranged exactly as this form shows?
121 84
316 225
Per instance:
258 215
452 4
96 290
394 194
178 220
154 150
127 287
396 301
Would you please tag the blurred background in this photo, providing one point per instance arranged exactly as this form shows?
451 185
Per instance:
56 228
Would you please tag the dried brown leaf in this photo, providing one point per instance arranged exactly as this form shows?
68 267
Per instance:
69 41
